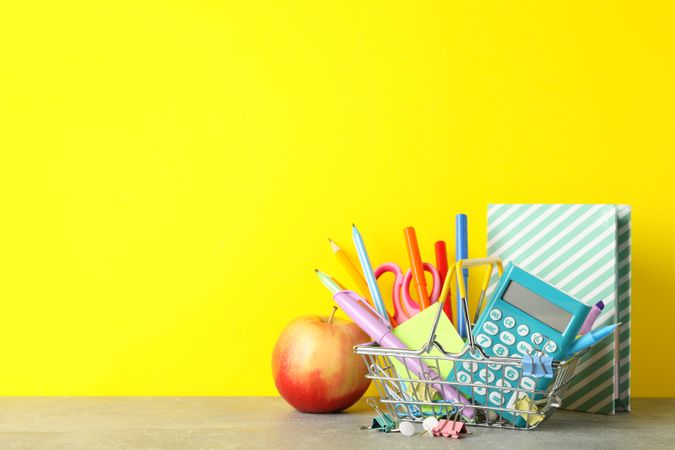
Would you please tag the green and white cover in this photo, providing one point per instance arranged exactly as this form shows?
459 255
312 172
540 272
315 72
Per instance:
583 250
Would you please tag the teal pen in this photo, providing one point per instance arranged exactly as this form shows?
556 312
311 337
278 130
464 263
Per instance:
591 338
374 289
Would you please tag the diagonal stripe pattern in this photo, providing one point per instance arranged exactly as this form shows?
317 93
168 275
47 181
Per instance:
583 250
623 293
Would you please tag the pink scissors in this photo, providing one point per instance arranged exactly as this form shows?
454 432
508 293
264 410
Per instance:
404 306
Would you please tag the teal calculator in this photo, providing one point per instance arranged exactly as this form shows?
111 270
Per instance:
524 313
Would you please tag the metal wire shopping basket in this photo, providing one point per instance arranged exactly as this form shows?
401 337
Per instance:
407 396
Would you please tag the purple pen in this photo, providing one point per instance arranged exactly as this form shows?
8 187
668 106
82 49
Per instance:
367 318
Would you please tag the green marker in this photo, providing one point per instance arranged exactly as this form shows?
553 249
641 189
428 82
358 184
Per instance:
328 281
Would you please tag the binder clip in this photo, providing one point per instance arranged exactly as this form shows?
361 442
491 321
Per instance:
381 422
451 428
537 365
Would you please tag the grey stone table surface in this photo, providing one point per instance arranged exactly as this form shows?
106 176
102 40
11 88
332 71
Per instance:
268 422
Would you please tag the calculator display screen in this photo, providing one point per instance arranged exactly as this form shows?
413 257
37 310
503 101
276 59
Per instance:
536 306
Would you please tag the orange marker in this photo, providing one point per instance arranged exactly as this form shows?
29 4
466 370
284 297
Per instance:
417 268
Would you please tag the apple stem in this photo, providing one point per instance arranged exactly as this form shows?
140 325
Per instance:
330 319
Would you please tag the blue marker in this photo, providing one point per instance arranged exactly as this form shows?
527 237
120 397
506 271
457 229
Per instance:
462 252
374 289
591 338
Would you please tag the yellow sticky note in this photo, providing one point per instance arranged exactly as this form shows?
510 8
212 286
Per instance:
414 333
525 404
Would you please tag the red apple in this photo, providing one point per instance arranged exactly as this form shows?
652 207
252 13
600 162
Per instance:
314 365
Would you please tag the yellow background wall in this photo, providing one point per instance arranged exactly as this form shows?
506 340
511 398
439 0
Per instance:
170 171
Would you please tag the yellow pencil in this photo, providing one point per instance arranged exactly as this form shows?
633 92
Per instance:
351 270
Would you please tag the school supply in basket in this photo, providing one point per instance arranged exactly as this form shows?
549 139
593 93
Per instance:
414 334
592 317
525 404
442 265
416 266
524 312
351 269
591 338
328 281
367 267
404 305
461 252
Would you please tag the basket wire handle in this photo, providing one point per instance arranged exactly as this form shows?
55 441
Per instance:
466 263
490 262
444 297
454 270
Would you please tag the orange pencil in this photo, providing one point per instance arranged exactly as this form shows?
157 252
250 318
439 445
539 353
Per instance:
416 266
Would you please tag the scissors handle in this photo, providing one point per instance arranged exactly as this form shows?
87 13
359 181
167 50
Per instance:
400 315
411 306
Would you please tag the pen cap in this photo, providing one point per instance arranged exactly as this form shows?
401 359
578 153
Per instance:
362 314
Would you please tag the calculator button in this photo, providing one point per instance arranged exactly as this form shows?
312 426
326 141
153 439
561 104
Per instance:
491 328
550 347
486 376
496 398
524 348
537 338
504 384
509 322
470 366
507 338
479 390
510 373
463 377
500 350
484 340
523 330
528 383
495 314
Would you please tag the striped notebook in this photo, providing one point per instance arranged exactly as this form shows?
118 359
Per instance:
583 250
